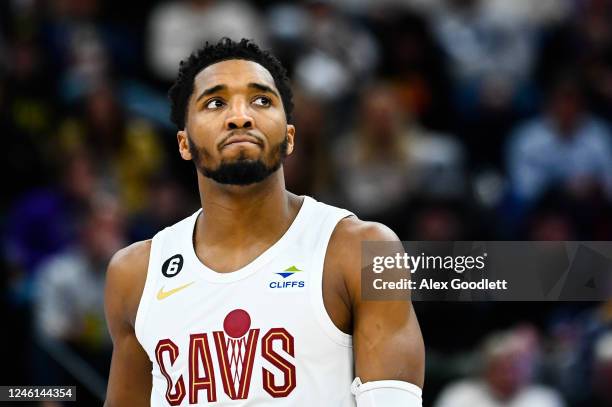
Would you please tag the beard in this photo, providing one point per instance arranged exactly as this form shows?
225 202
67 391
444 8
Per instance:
241 171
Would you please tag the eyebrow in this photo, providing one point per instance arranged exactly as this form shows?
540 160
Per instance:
252 85
210 91
263 88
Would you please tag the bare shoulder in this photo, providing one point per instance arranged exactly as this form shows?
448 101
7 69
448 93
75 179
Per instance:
125 278
134 255
350 232
129 264
353 227
343 258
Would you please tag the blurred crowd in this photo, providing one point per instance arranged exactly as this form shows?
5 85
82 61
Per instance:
444 119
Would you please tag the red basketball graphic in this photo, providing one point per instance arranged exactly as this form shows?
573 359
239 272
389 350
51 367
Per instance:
237 323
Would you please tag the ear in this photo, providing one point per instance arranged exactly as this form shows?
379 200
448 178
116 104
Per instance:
183 145
290 138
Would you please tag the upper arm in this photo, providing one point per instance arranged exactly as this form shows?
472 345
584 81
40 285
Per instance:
129 381
387 340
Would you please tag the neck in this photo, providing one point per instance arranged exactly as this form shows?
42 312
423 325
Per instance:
237 215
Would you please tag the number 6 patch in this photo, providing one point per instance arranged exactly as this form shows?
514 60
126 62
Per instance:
172 266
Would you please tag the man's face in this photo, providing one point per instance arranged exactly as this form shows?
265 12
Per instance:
236 131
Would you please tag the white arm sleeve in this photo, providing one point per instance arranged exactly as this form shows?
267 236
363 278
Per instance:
386 393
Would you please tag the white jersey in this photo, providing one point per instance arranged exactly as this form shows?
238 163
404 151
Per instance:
257 336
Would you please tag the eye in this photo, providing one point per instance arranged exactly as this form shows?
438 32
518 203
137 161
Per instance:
214 104
262 101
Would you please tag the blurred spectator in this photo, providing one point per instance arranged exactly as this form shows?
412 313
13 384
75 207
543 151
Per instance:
491 52
387 155
553 218
564 146
584 365
560 215
438 219
541 12
510 359
27 115
584 42
491 48
45 221
83 48
340 53
69 303
127 150
165 204
553 227
177 28
289 25
602 370
308 170
374 159
596 48
411 56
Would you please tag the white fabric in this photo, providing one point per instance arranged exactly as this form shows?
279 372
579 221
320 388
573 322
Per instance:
386 393
322 357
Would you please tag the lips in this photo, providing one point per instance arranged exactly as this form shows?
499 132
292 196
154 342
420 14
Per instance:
240 139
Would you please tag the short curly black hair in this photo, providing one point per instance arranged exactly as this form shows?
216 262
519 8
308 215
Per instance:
224 50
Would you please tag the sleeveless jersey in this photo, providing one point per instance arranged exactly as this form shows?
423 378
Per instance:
258 336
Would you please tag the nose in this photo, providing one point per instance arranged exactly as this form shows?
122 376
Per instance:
239 118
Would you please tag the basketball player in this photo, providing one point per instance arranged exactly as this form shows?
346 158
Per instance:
255 299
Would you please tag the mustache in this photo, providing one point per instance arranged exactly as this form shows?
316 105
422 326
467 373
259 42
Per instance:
233 133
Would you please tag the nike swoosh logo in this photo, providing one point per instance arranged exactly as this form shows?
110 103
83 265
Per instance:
165 294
